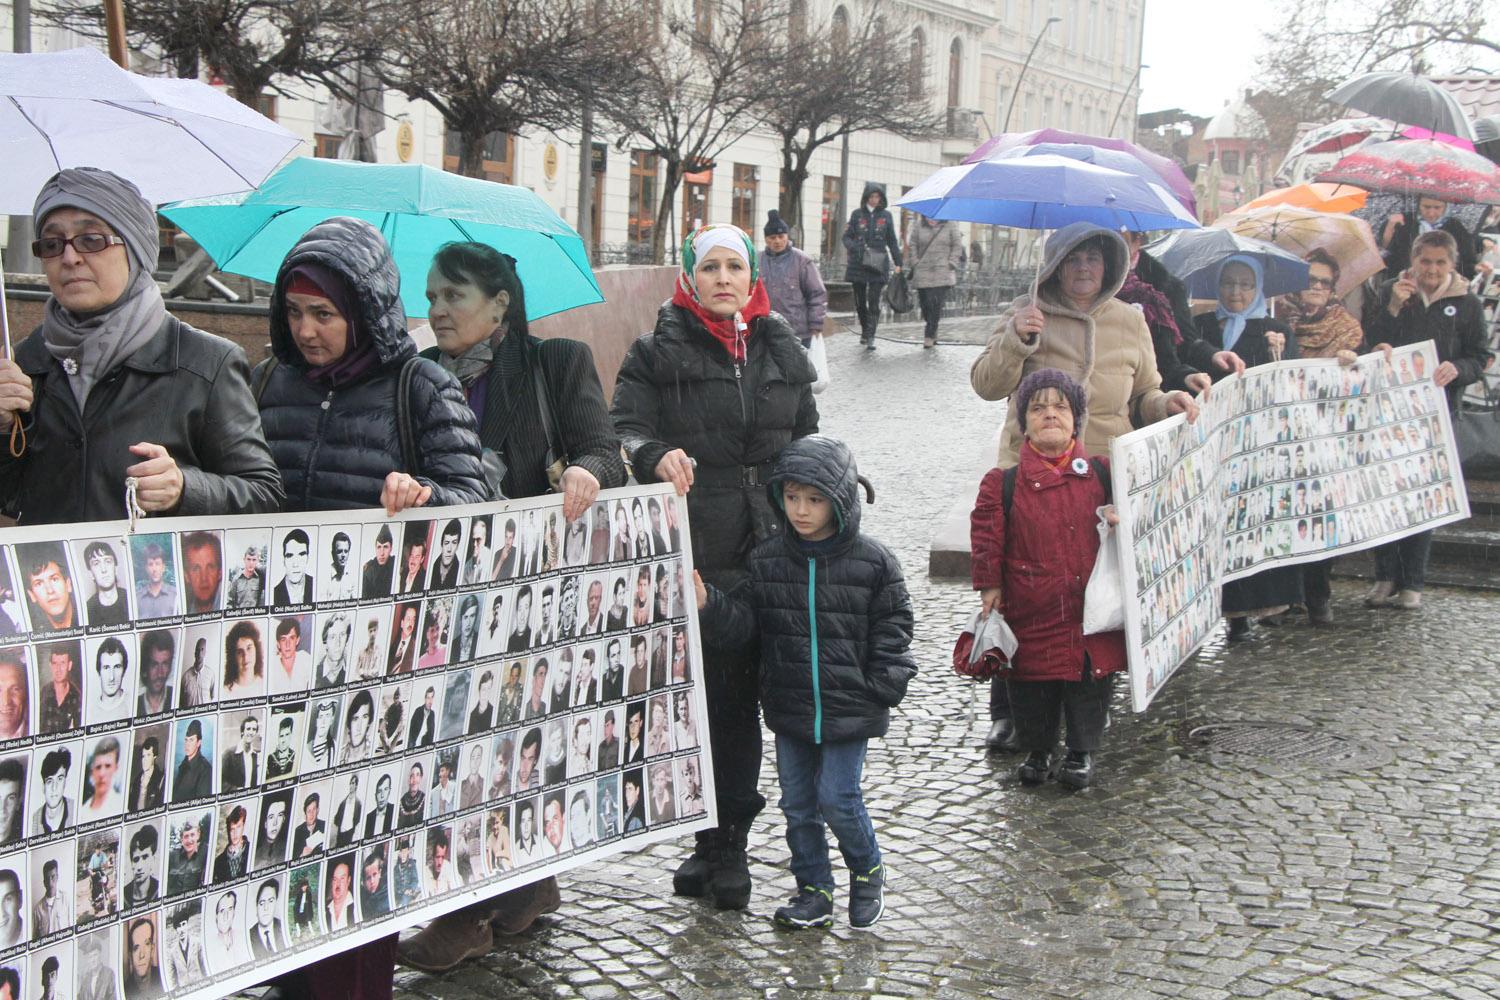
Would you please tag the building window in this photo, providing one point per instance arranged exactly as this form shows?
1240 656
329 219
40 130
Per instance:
498 156
703 19
325 146
742 197
1046 121
840 29
643 171
266 105
833 226
797 20
1229 162
918 62
695 188
955 71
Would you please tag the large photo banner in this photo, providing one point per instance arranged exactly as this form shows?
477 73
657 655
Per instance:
229 747
1290 462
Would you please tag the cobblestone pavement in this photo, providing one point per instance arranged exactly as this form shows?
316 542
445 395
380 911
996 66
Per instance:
1180 874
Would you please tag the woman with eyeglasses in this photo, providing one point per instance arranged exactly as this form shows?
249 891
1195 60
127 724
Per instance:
1322 328
1243 327
112 387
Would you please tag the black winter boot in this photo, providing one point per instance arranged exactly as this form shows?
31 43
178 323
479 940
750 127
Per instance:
729 883
691 877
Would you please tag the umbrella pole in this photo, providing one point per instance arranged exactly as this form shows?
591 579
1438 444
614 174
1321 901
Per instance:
1036 277
17 433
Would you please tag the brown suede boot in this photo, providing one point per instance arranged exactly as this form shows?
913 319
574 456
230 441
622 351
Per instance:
449 940
512 912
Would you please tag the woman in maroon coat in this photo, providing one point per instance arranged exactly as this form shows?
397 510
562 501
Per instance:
1032 557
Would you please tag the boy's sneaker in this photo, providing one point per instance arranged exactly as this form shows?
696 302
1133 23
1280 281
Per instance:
811 907
867 897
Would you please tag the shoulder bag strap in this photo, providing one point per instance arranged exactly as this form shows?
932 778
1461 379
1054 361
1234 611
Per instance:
1008 488
410 457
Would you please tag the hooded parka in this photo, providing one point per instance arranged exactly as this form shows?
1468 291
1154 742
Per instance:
336 446
1106 349
876 230
833 617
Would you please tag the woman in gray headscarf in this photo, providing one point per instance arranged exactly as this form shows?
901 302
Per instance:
111 387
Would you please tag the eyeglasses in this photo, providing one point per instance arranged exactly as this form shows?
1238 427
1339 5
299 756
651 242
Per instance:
1319 282
1237 286
52 246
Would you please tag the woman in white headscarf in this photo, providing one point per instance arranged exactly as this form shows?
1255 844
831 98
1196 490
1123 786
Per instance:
1242 325
706 401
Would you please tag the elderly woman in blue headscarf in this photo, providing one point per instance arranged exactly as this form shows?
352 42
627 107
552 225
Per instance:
1242 326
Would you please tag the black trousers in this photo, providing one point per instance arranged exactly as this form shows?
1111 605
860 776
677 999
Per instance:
1317 585
930 301
730 684
1039 707
867 305
999 699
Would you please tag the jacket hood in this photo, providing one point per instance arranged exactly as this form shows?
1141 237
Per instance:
878 189
358 253
1116 256
827 464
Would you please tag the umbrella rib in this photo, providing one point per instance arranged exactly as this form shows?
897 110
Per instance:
39 131
166 119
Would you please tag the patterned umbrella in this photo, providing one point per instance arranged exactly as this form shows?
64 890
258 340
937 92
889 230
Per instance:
1420 168
1335 137
1347 239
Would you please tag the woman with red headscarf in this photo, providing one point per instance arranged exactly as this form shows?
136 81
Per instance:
706 401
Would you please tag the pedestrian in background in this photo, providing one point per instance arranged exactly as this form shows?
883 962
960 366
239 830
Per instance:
1429 301
873 249
1034 541
792 281
113 386
828 606
935 254
1322 328
680 411
1163 302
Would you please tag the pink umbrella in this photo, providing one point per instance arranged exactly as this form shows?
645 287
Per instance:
1417 132
1171 174
1420 168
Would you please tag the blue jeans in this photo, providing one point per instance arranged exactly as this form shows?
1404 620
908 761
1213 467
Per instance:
820 783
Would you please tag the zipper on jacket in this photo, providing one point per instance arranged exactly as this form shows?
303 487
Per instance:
812 617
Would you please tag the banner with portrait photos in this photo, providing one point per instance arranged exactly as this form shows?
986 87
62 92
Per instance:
1288 463
232 746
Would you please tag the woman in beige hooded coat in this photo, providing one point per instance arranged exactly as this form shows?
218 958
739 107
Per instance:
1078 326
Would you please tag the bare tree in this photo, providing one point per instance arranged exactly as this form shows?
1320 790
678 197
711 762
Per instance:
1318 44
249 43
705 74
498 66
834 79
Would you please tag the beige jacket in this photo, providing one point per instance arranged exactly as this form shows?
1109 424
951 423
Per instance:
1107 349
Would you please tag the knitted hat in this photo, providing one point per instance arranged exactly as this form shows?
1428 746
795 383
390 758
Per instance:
1050 378
775 225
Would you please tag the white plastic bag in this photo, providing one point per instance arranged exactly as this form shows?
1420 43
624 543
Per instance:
818 355
991 631
1104 597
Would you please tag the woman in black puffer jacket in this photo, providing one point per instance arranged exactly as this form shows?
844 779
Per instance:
329 404
328 396
724 382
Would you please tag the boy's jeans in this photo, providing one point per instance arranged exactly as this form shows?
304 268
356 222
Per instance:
818 784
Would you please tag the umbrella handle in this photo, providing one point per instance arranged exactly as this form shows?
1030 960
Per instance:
17 432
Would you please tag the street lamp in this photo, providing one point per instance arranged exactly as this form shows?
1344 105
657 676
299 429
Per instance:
1121 106
1005 126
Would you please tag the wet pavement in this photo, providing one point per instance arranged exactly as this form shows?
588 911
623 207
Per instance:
1183 872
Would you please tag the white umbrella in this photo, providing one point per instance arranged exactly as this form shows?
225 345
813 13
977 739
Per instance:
173 138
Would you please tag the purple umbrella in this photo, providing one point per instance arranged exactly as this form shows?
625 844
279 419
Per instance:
1170 173
1114 159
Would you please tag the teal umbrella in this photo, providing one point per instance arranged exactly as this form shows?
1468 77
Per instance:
417 208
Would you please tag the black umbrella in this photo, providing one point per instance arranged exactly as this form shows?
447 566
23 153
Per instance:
1487 137
1407 99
